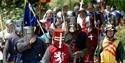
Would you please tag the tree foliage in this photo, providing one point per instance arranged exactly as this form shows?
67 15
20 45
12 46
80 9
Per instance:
118 3
14 8
11 9
70 3
120 34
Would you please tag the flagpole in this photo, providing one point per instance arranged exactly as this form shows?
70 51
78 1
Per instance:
25 1
37 19
2 27
81 4
39 6
64 25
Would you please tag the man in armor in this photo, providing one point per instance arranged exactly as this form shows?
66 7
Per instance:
93 35
110 50
30 46
59 52
9 52
5 34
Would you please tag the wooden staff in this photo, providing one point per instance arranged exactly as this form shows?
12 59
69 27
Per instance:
30 7
81 3
64 25
2 27
25 1
39 6
74 60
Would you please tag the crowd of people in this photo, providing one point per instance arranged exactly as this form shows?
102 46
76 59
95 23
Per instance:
82 35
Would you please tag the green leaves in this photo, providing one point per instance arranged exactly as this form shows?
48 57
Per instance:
118 3
11 9
120 34
60 3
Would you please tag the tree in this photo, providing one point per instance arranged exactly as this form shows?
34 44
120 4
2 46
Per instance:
118 3
120 34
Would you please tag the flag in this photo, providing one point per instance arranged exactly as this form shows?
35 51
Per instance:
29 18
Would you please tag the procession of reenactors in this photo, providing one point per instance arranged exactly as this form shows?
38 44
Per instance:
84 34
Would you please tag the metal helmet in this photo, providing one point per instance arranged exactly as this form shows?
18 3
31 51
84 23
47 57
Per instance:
9 22
28 30
10 25
110 27
70 13
59 14
28 33
58 37
49 11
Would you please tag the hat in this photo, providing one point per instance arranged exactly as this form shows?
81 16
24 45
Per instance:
49 11
9 22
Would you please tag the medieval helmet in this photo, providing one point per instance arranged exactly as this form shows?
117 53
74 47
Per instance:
59 14
9 22
70 13
49 11
28 31
58 37
110 27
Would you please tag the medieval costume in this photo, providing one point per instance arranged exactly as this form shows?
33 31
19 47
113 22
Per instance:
59 52
10 53
76 38
30 47
49 19
47 37
92 34
81 18
110 50
5 34
81 46
10 29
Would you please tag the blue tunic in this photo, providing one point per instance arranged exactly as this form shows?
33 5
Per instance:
35 53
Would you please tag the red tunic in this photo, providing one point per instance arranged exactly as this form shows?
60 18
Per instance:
93 39
59 55
48 24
